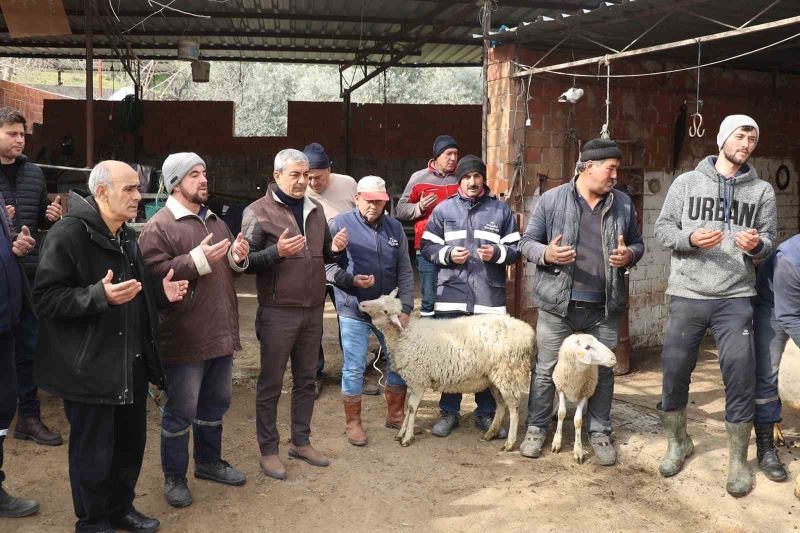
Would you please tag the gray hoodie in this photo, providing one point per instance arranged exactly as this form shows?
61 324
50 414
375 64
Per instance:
702 198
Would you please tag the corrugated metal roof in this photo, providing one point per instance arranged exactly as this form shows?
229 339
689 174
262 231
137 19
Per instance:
322 31
616 24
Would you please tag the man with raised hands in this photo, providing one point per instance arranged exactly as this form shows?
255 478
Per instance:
199 335
24 192
583 237
98 344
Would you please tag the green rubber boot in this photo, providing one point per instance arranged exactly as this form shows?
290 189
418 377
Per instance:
740 480
679 444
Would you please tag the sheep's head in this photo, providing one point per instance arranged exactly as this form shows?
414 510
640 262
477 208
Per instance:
588 350
386 308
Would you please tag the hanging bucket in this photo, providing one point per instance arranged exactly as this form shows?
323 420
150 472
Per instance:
200 71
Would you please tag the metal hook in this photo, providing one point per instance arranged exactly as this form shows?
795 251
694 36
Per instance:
697 129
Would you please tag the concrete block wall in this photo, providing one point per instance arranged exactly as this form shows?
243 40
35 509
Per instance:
643 110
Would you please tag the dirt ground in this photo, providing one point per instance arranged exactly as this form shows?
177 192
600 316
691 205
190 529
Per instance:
455 484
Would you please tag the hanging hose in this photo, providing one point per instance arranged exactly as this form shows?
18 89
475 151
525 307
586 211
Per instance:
697 129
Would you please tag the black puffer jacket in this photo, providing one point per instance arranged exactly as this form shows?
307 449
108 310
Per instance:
29 197
85 350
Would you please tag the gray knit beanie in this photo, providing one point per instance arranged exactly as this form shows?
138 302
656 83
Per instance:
176 166
732 123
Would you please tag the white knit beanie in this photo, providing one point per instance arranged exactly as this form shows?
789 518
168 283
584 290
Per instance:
731 124
176 166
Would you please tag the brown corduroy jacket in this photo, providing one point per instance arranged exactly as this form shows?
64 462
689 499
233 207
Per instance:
205 324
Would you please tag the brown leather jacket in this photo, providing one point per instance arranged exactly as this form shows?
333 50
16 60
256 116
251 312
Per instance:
205 324
296 281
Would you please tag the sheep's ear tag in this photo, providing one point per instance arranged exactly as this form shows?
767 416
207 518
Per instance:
584 357
396 321
393 293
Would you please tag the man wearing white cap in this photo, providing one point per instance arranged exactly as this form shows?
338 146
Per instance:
716 219
199 335
376 263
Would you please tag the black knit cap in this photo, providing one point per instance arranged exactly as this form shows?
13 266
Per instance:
317 157
470 163
442 143
600 149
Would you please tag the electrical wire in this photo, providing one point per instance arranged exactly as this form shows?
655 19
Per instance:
664 72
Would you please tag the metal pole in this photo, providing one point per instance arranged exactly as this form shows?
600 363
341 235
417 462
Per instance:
89 6
348 164
486 18
667 46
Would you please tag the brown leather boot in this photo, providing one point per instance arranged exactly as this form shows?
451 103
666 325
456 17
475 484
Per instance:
272 466
352 413
308 454
32 428
395 407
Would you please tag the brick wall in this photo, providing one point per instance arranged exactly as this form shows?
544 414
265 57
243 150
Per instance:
26 100
643 110
392 141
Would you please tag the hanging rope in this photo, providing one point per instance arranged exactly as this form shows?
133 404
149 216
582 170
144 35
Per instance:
604 132
696 129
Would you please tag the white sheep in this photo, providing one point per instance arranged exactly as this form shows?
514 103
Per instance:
789 389
464 354
575 378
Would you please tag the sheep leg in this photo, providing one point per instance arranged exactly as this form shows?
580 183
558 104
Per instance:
499 414
512 404
562 414
406 412
414 398
578 449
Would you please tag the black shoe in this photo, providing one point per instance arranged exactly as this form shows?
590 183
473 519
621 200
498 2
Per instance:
768 460
483 422
177 492
137 522
446 423
11 507
221 472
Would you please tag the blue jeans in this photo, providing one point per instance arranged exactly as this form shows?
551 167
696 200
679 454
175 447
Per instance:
427 284
355 340
770 340
26 334
450 403
199 395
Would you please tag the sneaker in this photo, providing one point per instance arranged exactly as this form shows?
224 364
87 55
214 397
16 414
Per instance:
445 425
604 452
533 443
221 472
176 492
482 422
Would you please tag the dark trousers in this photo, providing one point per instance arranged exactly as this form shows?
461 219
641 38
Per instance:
321 362
8 390
284 333
770 341
106 446
551 330
199 396
731 323
25 347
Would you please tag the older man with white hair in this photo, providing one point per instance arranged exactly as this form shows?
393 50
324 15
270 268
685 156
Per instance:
290 243
98 344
